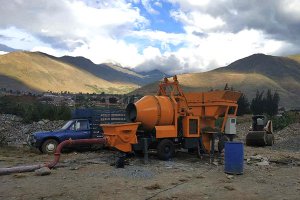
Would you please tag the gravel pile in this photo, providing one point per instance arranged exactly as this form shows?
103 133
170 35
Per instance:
14 132
285 139
242 130
288 138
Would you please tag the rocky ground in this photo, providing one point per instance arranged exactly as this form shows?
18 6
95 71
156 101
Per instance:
14 132
269 173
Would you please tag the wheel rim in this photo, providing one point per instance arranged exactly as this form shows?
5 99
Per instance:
167 149
50 147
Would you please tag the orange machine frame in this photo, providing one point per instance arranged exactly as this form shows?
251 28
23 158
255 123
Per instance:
196 111
205 106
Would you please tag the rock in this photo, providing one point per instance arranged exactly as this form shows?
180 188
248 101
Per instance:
263 163
26 130
229 176
228 187
200 176
15 132
74 168
215 163
41 122
256 158
20 175
44 171
183 180
153 187
46 121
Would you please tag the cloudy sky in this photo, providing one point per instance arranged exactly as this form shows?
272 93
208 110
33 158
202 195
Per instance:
175 36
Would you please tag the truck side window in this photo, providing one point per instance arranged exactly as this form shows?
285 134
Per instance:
77 126
82 125
72 127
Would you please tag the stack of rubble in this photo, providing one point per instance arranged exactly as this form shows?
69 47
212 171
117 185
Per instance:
288 138
242 131
14 132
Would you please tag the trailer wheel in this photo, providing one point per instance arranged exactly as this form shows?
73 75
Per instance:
49 146
165 149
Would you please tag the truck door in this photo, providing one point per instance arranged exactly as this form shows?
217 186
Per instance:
80 129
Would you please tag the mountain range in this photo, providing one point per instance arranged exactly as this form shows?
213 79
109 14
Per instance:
36 71
256 72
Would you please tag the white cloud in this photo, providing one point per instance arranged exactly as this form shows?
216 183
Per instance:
74 28
161 36
71 20
215 32
20 39
148 6
158 4
103 49
215 50
197 21
151 53
188 4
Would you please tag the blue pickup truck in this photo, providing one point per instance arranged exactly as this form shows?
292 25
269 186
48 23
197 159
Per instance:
83 125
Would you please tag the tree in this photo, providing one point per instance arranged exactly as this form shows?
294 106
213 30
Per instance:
275 104
267 104
243 106
257 104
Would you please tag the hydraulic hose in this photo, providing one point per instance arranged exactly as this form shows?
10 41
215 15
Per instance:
70 142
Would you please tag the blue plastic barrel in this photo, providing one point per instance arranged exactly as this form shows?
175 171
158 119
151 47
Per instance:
234 158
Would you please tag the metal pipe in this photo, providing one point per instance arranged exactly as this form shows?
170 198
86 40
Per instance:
70 142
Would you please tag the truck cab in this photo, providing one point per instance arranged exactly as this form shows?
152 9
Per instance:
84 125
47 141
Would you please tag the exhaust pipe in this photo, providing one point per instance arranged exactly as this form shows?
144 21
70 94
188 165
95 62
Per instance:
70 142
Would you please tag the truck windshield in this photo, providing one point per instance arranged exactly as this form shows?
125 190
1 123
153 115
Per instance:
67 125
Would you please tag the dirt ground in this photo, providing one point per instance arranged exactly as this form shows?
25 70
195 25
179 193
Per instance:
89 175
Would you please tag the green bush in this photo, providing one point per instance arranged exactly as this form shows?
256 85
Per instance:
284 120
32 110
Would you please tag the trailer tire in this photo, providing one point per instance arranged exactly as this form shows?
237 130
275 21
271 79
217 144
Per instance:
165 149
49 146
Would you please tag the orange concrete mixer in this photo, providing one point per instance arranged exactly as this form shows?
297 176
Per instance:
175 119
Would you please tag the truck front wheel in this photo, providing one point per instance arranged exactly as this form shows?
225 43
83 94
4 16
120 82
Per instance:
49 146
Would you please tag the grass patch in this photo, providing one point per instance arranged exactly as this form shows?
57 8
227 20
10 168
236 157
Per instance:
30 109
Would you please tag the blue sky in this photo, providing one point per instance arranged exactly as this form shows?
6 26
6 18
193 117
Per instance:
175 36
161 19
